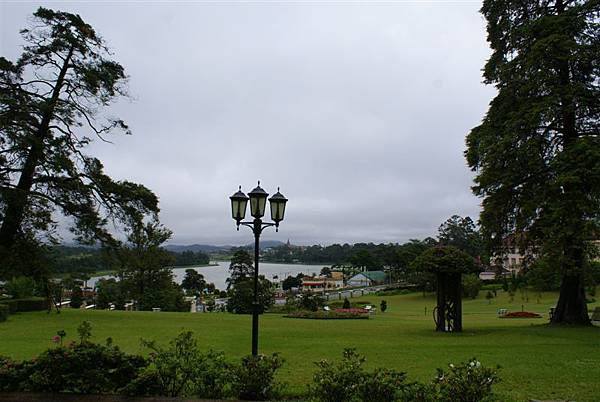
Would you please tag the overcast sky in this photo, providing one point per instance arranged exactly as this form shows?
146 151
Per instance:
358 111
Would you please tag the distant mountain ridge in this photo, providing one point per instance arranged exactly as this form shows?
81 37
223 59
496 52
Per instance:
207 248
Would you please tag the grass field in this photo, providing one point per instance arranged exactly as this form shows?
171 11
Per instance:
538 361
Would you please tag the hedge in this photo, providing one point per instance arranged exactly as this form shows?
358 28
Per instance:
3 312
11 304
23 305
32 304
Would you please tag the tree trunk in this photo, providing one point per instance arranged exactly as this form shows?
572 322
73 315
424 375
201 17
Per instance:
571 307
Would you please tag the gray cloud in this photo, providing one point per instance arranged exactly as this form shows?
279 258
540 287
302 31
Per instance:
358 111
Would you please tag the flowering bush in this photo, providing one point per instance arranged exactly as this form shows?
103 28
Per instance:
11 374
465 382
348 382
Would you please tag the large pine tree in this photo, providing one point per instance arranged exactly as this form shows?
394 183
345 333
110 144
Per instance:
51 100
537 152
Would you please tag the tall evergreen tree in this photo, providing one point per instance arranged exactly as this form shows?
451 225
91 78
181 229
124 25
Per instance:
537 151
460 233
50 104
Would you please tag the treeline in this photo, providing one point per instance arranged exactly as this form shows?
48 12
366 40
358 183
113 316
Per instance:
456 231
74 259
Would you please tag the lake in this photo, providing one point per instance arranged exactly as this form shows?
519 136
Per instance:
219 273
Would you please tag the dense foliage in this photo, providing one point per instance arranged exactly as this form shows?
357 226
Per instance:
181 369
189 258
347 381
79 367
254 378
445 259
241 296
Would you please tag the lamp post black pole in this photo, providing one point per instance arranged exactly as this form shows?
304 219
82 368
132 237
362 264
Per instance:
257 229
258 199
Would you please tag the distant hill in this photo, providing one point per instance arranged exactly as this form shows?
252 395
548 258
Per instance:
207 248
266 244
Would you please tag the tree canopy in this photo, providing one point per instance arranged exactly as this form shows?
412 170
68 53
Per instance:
241 267
445 259
51 100
536 154
461 233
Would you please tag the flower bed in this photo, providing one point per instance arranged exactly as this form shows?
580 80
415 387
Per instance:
521 314
331 315
353 310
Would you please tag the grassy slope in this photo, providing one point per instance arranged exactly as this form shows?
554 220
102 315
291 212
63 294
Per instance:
538 361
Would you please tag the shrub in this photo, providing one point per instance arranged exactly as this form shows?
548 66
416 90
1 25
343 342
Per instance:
417 392
20 287
76 297
83 368
381 385
182 370
311 302
11 374
212 383
471 285
348 382
346 303
3 312
466 382
175 367
253 379
383 306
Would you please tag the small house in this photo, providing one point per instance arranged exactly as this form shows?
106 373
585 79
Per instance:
367 278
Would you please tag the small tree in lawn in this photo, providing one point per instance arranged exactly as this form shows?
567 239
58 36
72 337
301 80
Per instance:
76 297
383 306
193 282
448 264
346 303
241 296
240 268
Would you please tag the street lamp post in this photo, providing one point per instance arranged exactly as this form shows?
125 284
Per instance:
258 201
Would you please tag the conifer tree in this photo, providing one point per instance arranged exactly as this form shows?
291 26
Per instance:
537 152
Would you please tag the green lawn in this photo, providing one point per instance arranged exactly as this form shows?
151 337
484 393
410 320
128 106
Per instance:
538 361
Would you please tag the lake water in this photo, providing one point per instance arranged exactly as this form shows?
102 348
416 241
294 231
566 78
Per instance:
219 273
